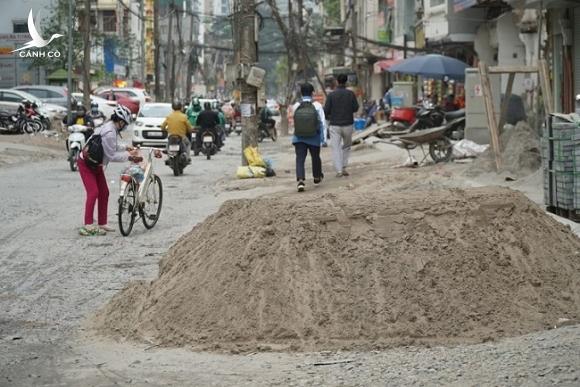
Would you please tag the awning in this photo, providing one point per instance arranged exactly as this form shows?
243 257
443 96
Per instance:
383 65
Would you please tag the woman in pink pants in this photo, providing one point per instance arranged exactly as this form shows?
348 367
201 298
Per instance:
94 179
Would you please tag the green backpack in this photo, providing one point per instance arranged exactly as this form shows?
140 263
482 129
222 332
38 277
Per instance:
306 120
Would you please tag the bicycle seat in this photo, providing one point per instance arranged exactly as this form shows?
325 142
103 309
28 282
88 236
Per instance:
455 114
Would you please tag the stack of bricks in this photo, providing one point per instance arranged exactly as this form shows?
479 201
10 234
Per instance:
561 165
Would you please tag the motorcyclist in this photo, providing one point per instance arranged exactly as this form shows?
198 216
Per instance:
96 114
266 116
79 117
177 124
222 119
207 121
193 111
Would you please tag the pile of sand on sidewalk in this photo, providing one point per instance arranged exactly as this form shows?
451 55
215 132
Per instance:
329 272
520 155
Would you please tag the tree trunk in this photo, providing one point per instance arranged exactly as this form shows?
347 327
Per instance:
190 60
169 56
247 55
157 48
87 55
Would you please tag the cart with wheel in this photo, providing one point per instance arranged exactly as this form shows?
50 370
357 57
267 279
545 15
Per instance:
440 146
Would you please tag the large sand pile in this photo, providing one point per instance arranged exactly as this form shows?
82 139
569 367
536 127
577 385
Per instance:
520 155
313 273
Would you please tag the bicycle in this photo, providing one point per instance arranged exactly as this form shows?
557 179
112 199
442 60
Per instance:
141 200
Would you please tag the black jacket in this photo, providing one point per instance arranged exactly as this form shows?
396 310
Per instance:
208 119
340 106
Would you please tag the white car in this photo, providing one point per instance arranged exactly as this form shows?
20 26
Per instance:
147 129
105 107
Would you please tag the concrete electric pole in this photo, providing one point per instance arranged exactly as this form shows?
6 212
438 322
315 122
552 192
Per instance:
245 20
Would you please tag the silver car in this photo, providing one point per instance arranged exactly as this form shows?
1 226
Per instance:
56 95
10 99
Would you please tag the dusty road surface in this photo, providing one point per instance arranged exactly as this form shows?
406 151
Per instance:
52 280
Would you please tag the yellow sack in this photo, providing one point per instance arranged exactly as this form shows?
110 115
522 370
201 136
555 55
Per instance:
253 157
250 172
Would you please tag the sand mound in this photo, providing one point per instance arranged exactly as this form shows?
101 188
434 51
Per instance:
313 273
520 155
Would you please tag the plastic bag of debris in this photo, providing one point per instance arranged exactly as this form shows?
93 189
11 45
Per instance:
467 149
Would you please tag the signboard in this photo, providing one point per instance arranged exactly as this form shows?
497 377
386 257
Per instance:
246 110
460 5
477 91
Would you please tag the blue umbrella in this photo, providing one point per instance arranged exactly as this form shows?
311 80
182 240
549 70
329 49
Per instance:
432 66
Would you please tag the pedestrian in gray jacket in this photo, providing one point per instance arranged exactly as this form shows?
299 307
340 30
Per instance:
339 109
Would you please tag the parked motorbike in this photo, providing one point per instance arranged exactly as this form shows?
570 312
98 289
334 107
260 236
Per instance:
266 130
424 116
208 146
30 109
75 143
18 123
176 155
455 120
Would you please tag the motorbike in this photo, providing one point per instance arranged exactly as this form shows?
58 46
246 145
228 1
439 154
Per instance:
30 109
424 116
18 123
176 156
238 125
455 121
75 143
266 130
228 128
208 146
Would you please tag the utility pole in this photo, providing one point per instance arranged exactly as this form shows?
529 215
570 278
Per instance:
87 55
157 48
70 52
248 55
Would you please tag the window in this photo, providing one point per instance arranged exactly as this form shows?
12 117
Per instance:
435 3
11 97
37 92
53 94
109 21
19 27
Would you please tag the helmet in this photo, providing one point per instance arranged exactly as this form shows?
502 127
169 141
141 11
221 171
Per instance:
122 113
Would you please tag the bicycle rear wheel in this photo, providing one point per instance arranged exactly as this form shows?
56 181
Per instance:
152 204
126 212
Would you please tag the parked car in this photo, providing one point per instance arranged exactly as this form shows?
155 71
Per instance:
147 129
273 106
56 95
132 98
11 99
105 107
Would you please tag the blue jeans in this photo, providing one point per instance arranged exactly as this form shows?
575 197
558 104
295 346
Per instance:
302 149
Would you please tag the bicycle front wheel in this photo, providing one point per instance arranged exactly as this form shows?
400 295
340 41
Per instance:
126 212
152 202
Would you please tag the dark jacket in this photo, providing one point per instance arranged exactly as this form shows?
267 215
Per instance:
340 106
208 119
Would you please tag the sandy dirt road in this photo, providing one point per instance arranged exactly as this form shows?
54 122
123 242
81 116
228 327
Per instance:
51 280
